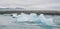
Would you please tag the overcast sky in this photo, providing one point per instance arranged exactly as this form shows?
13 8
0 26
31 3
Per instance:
31 4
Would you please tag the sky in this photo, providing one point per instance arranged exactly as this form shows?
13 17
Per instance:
31 4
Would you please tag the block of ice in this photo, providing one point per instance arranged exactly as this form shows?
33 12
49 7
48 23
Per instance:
46 21
24 17
33 15
34 18
14 15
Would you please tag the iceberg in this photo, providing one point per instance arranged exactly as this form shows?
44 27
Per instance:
33 15
24 17
40 19
46 21
14 15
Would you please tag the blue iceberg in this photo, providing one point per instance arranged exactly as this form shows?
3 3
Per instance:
40 19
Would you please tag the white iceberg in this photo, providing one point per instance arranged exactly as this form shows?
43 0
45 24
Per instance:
24 17
14 15
34 18
46 21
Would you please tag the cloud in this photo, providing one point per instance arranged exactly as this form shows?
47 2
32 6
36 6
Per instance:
30 4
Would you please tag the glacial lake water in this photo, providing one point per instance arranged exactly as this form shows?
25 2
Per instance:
7 22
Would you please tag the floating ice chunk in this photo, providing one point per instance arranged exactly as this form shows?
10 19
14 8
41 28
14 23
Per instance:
46 21
23 17
26 17
34 18
50 22
42 18
33 15
14 15
23 14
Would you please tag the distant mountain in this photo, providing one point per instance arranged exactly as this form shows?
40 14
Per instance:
11 9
